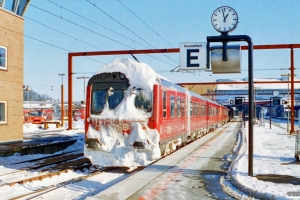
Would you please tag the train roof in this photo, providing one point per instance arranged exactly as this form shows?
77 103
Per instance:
139 74
174 86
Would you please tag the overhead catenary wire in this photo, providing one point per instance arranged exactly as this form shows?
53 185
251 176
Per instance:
95 32
96 23
61 48
62 33
145 23
127 29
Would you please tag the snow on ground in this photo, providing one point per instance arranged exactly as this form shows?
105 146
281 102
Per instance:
274 152
32 129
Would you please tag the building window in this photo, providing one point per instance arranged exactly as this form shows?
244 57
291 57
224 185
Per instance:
16 6
3 112
3 58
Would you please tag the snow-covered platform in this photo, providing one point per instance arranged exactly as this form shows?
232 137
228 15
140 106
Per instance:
275 169
43 145
39 141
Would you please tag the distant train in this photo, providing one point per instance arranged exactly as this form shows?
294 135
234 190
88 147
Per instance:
37 116
134 116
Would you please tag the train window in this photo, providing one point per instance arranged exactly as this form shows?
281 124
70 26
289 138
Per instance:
200 109
178 107
143 100
182 107
3 112
114 98
112 93
164 104
195 109
3 58
172 106
191 108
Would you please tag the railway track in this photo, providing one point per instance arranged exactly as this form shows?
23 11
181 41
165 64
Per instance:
50 188
45 167
53 166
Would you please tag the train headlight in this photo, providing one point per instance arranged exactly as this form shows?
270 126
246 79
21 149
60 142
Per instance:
122 76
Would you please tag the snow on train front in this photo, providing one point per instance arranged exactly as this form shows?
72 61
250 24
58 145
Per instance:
119 105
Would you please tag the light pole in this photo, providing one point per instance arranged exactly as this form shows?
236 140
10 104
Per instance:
292 102
27 89
83 77
62 99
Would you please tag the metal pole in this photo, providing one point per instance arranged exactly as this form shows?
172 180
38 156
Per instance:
62 106
70 90
250 131
254 111
270 112
83 77
292 93
248 39
244 113
288 112
62 109
30 106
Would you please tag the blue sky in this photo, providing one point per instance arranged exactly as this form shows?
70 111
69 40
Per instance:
54 27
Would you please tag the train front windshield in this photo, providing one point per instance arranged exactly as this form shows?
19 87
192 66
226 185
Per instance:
36 114
113 93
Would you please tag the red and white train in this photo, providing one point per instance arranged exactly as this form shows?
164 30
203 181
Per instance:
37 116
134 116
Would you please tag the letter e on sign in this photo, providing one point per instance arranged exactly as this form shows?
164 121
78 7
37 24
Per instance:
193 56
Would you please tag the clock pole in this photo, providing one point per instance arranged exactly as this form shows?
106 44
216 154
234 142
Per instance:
225 19
224 53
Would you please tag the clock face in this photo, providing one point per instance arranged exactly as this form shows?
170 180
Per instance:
275 93
224 19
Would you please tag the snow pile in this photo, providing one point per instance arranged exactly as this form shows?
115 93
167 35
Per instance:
79 124
116 148
271 152
35 128
139 74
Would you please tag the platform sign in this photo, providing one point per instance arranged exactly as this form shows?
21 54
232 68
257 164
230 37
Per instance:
233 63
193 56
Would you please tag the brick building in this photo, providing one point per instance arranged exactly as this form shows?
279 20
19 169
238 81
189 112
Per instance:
11 69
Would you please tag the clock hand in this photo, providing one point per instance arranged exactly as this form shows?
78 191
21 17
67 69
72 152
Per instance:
225 18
